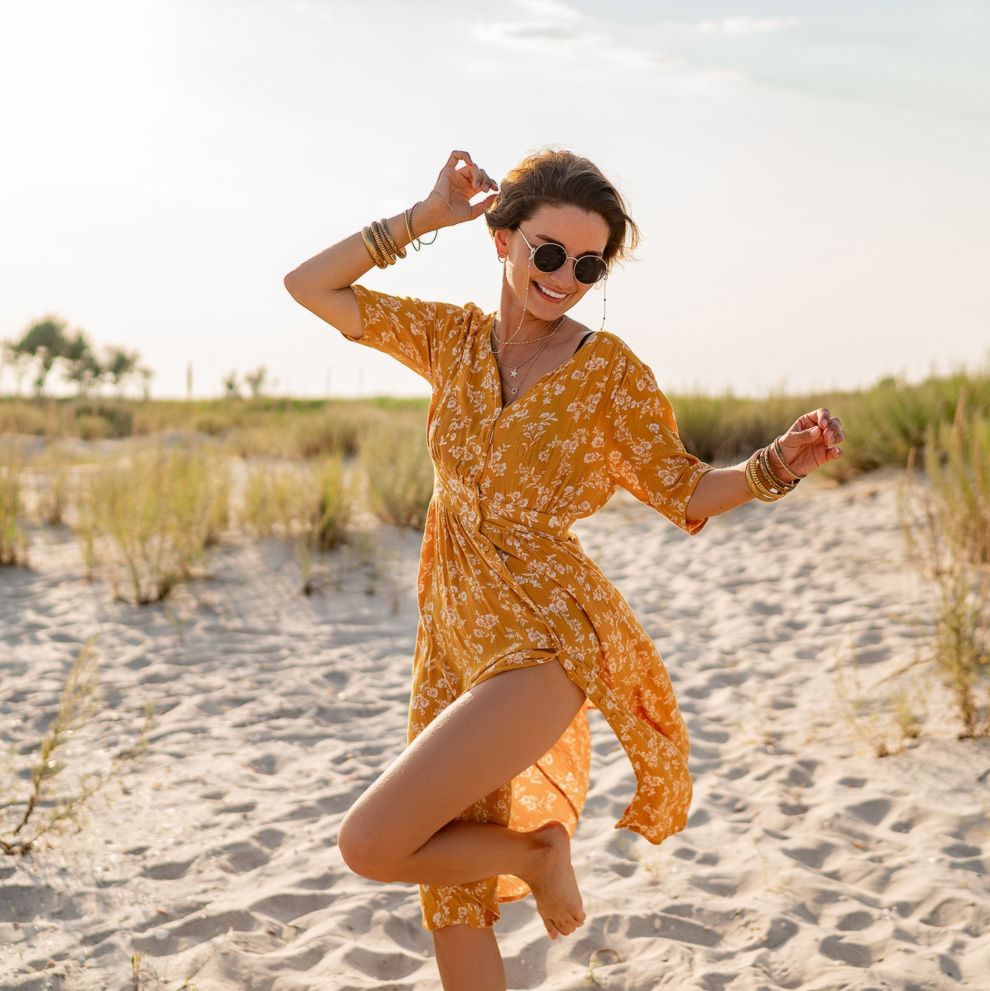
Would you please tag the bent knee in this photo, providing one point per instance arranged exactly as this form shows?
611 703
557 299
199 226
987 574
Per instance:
366 850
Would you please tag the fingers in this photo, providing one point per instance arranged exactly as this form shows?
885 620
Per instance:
477 209
461 163
458 156
820 423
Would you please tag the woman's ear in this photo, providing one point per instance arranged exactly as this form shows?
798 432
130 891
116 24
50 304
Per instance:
501 239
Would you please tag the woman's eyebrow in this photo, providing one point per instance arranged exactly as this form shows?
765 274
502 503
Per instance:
553 240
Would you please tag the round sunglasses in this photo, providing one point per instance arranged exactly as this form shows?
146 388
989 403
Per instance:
548 257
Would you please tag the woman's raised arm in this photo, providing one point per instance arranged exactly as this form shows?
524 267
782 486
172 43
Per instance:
323 284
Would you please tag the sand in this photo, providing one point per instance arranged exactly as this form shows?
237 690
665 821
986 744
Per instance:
808 862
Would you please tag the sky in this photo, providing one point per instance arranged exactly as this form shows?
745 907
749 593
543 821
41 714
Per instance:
810 178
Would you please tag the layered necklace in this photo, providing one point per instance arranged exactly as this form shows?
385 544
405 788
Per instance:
525 365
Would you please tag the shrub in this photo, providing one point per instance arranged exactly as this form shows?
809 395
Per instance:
331 505
154 515
947 526
339 430
13 542
117 418
399 472
17 417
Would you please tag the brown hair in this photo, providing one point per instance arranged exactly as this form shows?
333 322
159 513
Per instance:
557 178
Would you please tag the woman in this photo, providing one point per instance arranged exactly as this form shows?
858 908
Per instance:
534 422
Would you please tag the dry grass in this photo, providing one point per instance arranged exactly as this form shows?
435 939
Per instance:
884 725
13 541
25 820
151 518
312 501
947 528
399 472
332 501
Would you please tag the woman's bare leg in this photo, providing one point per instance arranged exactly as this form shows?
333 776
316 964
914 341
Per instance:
468 958
403 828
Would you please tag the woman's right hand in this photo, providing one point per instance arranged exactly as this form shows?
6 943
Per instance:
449 201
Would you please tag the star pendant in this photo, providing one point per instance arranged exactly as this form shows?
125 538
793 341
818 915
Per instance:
513 372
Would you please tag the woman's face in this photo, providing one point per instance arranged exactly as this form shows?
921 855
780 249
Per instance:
551 294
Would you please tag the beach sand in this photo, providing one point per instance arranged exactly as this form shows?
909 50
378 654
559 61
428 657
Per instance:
808 862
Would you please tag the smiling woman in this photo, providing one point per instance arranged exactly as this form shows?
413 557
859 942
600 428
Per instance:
535 421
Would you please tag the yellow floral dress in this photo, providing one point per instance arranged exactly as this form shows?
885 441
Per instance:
503 583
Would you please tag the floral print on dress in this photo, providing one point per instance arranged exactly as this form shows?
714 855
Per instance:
503 583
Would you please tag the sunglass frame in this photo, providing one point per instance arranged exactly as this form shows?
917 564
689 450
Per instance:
601 267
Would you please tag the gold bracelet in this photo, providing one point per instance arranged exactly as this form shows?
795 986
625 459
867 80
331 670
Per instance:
771 478
380 241
396 250
783 461
752 480
407 217
369 243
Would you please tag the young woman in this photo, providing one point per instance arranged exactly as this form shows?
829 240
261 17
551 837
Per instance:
535 421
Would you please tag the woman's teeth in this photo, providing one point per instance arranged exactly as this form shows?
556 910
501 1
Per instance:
550 292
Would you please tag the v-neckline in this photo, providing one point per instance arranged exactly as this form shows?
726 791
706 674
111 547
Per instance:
503 406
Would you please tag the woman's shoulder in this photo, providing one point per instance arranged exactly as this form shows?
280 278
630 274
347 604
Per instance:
620 356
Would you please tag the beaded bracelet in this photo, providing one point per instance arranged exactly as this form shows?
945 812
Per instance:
416 242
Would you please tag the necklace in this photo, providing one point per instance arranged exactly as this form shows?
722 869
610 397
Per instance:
499 348
514 372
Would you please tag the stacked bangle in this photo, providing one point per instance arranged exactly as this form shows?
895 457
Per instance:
382 245
783 461
376 255
390 241
763 480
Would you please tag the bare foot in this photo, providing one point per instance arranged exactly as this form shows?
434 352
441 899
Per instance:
553 883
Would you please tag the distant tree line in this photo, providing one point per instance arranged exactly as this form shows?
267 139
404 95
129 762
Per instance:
48 342
255 381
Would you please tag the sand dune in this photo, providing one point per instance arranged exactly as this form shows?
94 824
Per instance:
807 862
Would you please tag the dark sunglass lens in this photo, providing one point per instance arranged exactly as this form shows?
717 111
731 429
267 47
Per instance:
549 257
589 269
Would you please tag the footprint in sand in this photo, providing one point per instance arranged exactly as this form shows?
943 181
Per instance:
854 954
168 871
289 906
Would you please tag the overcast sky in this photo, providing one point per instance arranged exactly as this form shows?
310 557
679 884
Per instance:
811 178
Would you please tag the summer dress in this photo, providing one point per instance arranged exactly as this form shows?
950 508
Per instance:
503 583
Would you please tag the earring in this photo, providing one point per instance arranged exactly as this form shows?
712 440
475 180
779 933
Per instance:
501 258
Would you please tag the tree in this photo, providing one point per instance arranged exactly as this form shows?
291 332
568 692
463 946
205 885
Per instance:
230 384
120 365
17 360
81 365
256 380
45 342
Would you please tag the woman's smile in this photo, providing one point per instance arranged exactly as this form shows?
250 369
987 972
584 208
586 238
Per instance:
551 294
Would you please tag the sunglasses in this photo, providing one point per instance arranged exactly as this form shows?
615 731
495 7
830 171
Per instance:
548 257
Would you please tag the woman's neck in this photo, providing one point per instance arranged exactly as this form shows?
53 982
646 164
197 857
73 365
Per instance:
515 325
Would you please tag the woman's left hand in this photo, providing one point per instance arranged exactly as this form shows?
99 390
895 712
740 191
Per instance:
811 441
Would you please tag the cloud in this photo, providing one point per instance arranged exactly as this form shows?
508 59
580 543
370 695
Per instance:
736 26
551 9
558 30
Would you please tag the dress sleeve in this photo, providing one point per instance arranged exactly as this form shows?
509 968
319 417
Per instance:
407 329
644 453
